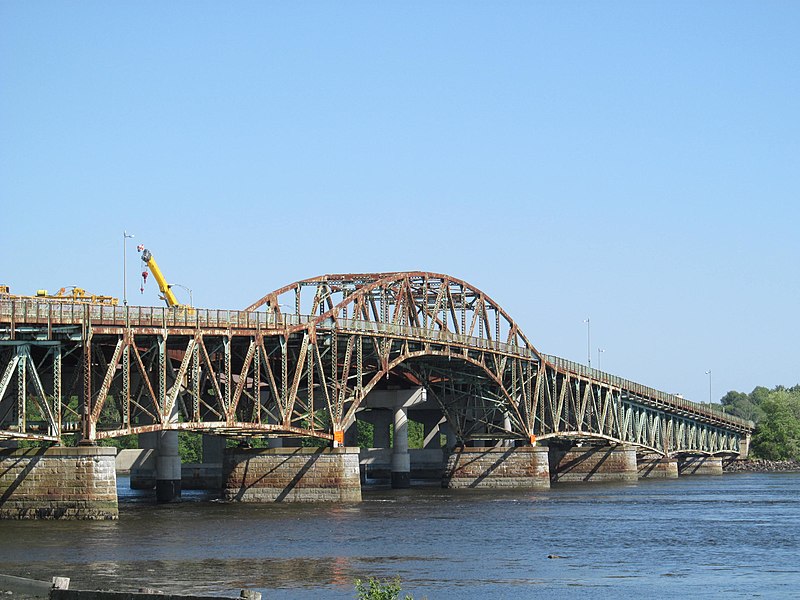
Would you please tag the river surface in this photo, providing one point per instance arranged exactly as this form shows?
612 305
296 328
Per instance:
735 536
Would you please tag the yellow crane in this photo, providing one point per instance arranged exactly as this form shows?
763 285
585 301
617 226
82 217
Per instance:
165 288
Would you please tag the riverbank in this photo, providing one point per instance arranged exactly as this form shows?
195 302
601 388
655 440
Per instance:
760 465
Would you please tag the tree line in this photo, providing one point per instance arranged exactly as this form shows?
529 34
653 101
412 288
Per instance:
776 413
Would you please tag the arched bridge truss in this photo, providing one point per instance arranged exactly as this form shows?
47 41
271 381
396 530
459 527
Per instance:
302 360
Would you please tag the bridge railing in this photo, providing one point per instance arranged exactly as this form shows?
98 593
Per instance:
32 312
644 391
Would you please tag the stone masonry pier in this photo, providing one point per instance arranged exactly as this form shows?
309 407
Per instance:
58 483
700 465
655 466
593 463
496 468
291 475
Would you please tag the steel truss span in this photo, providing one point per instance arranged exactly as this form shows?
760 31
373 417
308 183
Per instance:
301 360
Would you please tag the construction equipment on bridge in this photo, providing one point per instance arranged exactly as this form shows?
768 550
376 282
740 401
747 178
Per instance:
70 294
165 288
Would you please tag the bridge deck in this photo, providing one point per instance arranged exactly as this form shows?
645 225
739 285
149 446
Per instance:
30 319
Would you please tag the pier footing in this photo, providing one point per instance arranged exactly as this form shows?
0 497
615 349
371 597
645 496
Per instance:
58 483
593 463
700 465
497 468
291 475
655 466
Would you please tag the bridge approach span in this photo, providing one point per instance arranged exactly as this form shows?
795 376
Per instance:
302 360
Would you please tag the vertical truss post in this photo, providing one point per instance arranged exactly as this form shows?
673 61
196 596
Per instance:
22 389
162 378
287 418
256 414
88 426
57 390
196 382
226 345
126 381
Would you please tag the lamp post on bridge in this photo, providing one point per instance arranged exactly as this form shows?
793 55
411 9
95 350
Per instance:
588 340
125 236
709 387
599 352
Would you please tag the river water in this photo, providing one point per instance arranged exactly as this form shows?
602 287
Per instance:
735 536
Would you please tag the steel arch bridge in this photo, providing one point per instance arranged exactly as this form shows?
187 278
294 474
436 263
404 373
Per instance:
301 360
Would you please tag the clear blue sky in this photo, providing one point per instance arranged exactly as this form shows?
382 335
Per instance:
637 163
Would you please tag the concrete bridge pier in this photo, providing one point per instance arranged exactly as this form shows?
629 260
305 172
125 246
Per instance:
143 469
291 475
381 428
744 446
590 463
58 483
700 465
401 459
499 467
168 468
656 466
384 409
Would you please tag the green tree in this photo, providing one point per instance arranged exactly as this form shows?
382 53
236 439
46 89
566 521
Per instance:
365 434
742 405
416 434
190 447
777 435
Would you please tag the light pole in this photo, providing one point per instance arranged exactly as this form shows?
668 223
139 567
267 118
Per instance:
599 352
125 236
709 387
183 287
588 340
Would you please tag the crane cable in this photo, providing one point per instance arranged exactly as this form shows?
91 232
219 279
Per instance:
140 248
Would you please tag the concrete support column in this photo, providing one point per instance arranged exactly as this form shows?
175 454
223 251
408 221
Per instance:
213 449
506 427
382 421
351 436
744 446
401 460
168 468
450 436
143 469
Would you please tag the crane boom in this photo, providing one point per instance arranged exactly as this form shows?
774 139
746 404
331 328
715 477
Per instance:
163 286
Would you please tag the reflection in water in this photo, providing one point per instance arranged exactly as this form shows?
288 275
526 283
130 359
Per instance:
729 536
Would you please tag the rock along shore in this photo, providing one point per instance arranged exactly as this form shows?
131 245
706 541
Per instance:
761 465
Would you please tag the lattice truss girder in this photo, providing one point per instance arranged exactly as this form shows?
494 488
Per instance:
30 390
569 405
309 375
290 384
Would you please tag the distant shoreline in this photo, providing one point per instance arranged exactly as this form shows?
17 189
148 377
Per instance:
760 465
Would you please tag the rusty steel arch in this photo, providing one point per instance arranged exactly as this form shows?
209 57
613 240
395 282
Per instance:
451 317
389 297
